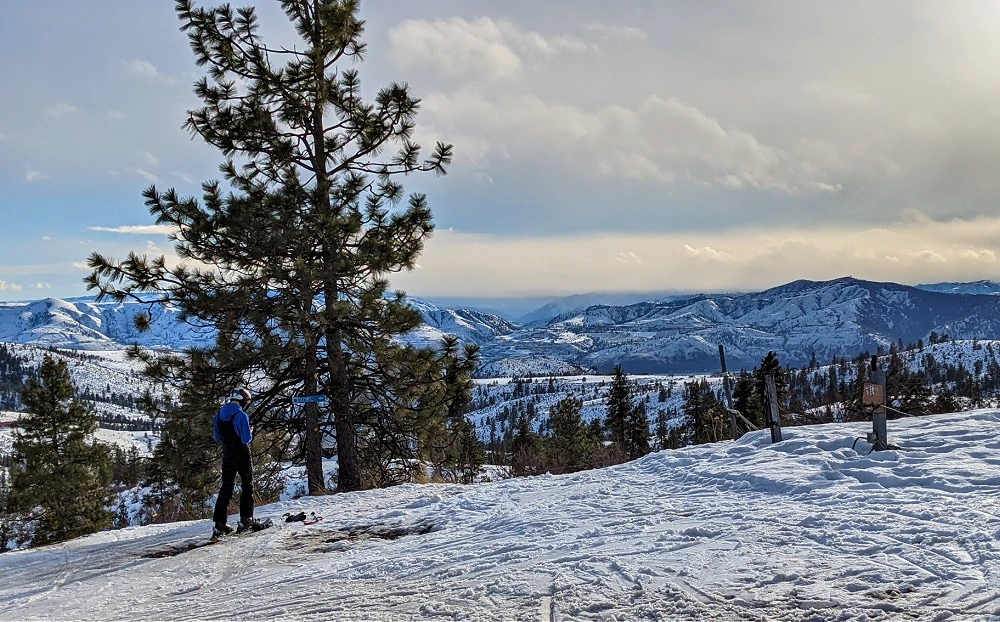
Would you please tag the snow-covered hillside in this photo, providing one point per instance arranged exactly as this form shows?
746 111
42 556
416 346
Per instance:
833 318
143 441
672 334
579 302
468 325
83 324
804 530
98 373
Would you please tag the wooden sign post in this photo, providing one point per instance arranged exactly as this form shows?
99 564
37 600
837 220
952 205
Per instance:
774 421
873 399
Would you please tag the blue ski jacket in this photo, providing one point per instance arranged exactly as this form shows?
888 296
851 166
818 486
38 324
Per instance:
231 411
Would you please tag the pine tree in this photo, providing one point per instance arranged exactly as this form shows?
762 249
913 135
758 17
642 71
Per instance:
704 421
637 432
302 238
524 447
945 402
619 406
60 479
662 430
571 444
452 442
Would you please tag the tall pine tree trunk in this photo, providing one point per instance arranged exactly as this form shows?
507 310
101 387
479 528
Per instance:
314 438
349 474
349 468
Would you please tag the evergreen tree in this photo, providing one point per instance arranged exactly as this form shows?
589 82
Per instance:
662 430
619 407
299 244
945 402
769 366
524 447
637 432
571 444
453 440
914 395
60 478
704 421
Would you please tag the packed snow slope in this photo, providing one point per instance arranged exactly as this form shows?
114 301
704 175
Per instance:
806 529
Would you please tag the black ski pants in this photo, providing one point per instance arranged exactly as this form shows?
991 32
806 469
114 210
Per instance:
235 460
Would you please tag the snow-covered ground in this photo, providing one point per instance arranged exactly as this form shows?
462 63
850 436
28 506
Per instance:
144 441
807 529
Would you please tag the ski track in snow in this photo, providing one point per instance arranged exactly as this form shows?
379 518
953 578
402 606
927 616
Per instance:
804 530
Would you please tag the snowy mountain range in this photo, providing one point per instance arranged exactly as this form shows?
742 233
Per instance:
671 334
84 324
974 287
681 334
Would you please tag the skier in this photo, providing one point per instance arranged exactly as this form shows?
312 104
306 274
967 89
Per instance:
232 429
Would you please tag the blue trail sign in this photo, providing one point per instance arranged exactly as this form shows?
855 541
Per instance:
310 399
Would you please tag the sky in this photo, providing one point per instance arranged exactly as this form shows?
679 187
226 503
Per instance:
614 147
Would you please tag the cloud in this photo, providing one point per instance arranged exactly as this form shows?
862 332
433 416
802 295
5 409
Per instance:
3 137
116 115
136 229
983 254
931 256
61 109
150 159
14 287
143 173
33 176
42 285
629 258
654 140
147 70
838 92
610 31
483 49
46 238
457 264
706 252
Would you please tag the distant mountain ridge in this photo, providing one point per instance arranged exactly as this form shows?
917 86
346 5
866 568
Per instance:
672 334
984 287
579 302
84 324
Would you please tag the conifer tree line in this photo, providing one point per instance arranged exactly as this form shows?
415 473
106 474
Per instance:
531 440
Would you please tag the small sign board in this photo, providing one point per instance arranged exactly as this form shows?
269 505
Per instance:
873 395
310 399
